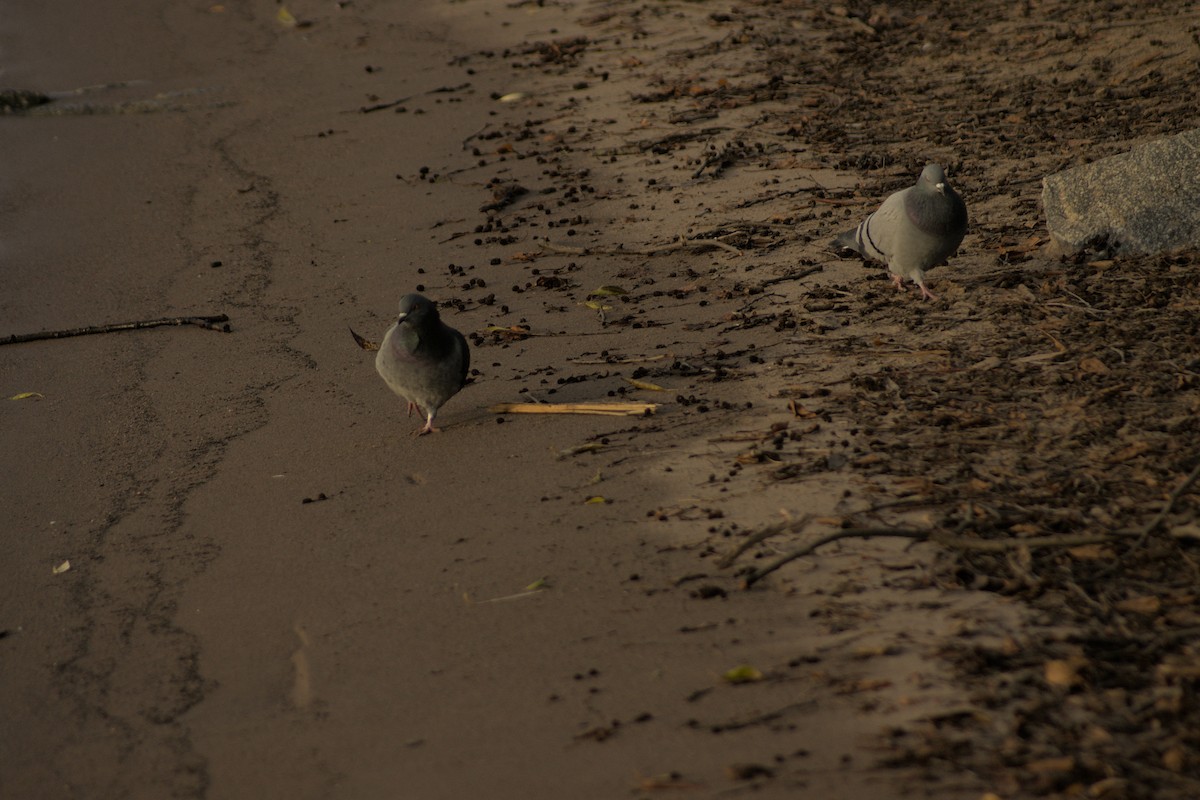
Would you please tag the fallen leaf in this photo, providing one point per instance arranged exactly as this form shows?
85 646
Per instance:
1093 366
1188 530
511 97
540 583
1145 604
1091 552
28 396
285 18
596 500
365 344
606 290
1174 759
1052 765
596 305
1061 673
1108 788
61 568
649 387
743 674
1132 451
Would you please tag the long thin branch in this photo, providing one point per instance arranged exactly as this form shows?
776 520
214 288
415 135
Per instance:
848 533
216 322
949 540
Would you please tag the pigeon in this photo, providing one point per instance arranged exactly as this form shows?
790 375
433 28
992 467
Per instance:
915 229
422 359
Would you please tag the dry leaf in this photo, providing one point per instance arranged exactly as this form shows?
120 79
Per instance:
1049 766
285 17
596 500
1132 451
1091 552
606 290
1061 673
1146 604
511 97
1093 366
743 674
365 344
61 568
649 387
28 396
1188 530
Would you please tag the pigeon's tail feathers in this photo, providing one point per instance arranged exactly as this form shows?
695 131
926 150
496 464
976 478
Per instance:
862 241
847 240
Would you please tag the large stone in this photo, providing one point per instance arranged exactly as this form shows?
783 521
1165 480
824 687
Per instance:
1143 201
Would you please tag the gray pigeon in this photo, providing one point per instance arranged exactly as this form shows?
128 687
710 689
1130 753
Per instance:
915 229
423 359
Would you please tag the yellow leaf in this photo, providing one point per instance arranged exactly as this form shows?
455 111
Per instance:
595 305
61 568
649 387
512 97
540 583
365 344
285 17
608 289
28 395
596 500
743 674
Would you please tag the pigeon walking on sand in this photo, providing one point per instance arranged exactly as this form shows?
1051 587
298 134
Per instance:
915 229
422 359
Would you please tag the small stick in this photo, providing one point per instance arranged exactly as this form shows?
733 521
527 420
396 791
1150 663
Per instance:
603 409
765 533
217 322
799 552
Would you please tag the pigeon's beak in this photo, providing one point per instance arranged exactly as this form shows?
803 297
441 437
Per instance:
941 187
402 317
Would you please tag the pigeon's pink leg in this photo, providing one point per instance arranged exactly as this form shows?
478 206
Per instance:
427 427
928 295
411 407
898 282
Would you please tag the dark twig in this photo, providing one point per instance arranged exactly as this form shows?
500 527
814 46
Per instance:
848 533
217 322
943 538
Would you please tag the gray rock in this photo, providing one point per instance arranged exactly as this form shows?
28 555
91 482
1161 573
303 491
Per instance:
1143 201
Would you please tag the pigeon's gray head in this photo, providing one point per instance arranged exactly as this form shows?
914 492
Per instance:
417 310
933 178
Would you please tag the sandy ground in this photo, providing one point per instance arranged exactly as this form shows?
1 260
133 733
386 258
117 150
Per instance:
274 590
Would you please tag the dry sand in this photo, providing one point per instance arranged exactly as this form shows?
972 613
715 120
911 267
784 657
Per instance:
275 591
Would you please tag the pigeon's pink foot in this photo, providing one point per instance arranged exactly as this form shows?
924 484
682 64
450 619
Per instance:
426 428
928 295
898 282
411 407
